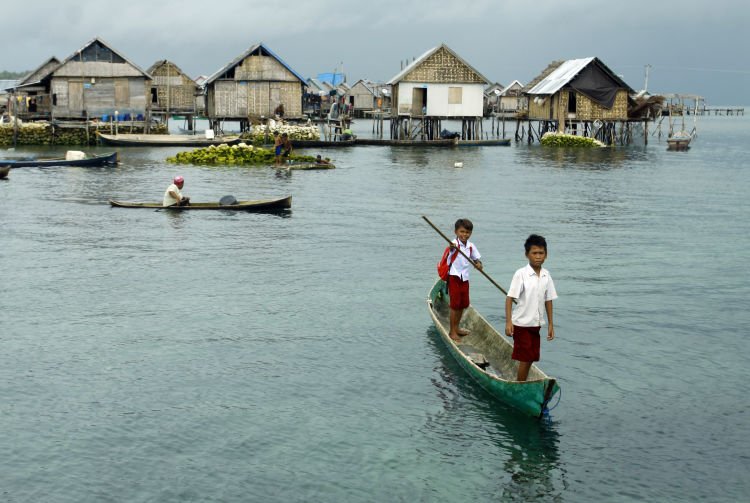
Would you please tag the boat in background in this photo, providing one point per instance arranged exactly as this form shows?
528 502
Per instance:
257 205
486 356
497 142
165 140
109 159
678 106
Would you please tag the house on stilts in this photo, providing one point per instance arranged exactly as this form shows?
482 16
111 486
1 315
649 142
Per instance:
173 92
251 87
96 81
30 98
437 86
581 97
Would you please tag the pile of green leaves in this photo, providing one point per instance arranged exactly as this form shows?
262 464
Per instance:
569 140
240 154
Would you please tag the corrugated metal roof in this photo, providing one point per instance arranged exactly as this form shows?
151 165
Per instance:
560 76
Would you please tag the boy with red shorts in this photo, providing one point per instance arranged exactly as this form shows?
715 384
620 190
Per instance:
534 290
458 278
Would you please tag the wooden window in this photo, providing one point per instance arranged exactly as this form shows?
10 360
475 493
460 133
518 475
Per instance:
455 95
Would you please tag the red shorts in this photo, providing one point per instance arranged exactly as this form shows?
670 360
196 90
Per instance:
458 290
525 344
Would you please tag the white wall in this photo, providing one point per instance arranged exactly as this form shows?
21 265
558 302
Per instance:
437 99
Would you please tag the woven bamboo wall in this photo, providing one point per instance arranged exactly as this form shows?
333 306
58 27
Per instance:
254 99
443 67
174 89
586 109
260 68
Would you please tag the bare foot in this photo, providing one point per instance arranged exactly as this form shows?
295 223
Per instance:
463 331
455 337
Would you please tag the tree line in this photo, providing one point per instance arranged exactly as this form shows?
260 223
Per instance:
6 75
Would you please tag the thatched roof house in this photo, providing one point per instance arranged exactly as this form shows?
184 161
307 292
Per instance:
253 85
171 90
97 80
439 84
580 90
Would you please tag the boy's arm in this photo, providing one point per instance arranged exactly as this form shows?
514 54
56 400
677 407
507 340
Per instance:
509 316
551 327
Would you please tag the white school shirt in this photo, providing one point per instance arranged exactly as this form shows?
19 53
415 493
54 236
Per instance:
531 292
168 199
461 266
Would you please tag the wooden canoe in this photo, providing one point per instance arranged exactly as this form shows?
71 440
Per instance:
498 142
322 143
485 355
307 165
258 205
405 143
165 140
95 160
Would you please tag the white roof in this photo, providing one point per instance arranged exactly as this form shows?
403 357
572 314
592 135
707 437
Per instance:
560 76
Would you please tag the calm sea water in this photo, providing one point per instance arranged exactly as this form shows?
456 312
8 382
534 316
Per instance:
149 356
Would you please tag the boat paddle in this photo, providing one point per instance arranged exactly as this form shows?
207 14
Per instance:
465 256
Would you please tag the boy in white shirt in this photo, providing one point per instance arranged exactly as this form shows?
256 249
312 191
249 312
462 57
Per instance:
458 279
534 290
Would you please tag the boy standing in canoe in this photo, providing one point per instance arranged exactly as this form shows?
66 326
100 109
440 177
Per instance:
458 276
534 290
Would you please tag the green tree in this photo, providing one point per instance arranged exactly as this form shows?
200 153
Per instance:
6 75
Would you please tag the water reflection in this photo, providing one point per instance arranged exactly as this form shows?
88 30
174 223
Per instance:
531 469
601 159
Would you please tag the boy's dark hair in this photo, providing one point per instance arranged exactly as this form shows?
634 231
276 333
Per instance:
535 240
465 223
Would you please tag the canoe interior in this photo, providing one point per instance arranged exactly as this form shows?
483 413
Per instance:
310 165
256 205
486 356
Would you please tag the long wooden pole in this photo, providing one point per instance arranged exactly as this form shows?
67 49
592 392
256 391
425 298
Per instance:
465 256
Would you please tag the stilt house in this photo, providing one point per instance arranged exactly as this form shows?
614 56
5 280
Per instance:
366 96
437 85
171 90
252 86
98 81
30 95
512 100
572 94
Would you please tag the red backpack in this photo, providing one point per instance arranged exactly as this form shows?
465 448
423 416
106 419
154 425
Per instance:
444 267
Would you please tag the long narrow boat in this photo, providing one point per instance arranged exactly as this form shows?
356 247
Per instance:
498 142
258 205
485 355
95 160
307 165
165 140
322 143
405 143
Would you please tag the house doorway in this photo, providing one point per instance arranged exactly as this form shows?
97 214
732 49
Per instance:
419 101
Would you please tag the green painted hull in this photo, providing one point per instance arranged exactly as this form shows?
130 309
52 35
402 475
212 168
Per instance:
486 347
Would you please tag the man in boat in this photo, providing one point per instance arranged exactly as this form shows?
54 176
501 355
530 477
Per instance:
534 290
173 195
320 160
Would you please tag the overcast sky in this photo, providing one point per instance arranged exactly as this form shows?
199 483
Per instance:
693 46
